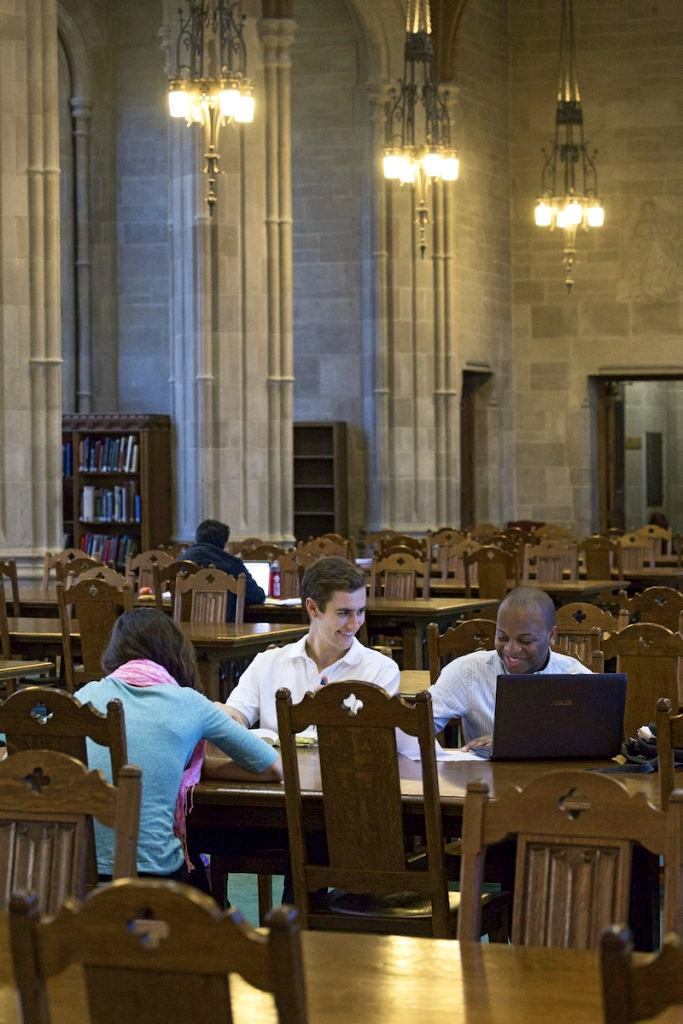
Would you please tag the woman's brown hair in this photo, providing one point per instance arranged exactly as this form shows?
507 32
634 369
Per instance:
148 633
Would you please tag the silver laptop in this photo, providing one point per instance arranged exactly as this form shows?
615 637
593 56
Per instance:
547 717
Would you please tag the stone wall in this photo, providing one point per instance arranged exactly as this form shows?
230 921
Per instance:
625 310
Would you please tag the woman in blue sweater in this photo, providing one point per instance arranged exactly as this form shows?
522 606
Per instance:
152 670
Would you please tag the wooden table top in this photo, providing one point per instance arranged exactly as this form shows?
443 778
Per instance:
558 591
454 777
394 979
412 681
13 669
226 635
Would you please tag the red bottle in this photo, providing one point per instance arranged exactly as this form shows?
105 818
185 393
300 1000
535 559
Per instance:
274 581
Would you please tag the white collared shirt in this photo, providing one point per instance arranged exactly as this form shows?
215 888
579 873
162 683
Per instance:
466 689
291 666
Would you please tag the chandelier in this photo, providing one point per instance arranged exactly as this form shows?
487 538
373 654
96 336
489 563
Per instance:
569 180
418 146
209 86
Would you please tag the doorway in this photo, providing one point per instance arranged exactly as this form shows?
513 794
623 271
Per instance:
640 449
473 440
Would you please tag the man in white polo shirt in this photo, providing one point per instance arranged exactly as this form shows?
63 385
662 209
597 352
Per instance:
333 592
466 688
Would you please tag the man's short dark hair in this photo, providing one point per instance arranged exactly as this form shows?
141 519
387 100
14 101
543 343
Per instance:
210 531
327 575
531 599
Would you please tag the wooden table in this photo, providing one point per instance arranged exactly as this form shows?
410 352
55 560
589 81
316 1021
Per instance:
412 681
215 644
368 979
16 669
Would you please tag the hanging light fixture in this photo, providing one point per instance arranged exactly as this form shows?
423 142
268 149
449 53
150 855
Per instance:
569 180
210 86
418 147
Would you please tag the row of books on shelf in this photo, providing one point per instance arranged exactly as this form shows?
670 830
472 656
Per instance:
108 454
120 504
108 548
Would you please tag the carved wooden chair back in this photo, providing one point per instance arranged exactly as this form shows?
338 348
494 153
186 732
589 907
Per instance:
204 596
437 540
660 539
97 605
669 739
97 572
146 946
165 578
635 551
348 542
494 568
51 560
554 531
239 547
466 637
638 991
8 571
375 537
549 559
398 577
482 531
291 571
580 628
416 546
451 560
663 605
175 548
262 553
66 572
43 718
600 556
650 655
363 811
322 546
575 834
140 568
47 803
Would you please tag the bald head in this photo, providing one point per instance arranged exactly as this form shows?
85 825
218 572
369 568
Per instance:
530 600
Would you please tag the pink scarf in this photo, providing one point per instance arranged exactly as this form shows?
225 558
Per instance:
142 672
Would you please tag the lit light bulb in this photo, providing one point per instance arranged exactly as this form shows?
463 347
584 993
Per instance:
561 218
407 175
178 102
432 163
543 214
450 167
228 99
596 216
392 164
244 109
574 212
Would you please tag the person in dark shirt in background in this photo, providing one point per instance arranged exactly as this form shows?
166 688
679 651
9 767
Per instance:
209 549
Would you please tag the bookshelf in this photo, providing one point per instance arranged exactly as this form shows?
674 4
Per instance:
320 482
116 477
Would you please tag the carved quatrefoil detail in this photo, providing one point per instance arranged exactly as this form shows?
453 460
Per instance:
40 714
37 780
352 704
148 930
579 615
573 804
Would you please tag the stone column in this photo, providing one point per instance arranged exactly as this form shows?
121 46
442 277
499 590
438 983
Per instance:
277 34
81 108
30 363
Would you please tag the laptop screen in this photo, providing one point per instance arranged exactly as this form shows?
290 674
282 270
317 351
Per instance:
261 573
545 716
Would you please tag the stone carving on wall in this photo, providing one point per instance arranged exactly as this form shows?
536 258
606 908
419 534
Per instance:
653 262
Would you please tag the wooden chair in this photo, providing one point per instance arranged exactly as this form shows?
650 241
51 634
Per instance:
600 556
663 605
451 560
650 655
291 572
482 531
363 821
165 579
660 539
669 738
638 991
398 577
466 637
67 571
155 951
548 560
636 550
50 561
443 537
322 546
375 537
96 572
581 627
494 568
140 568
8 570
42 718
554 531
97 605
204 596
402 543
240 547
47 803
575 833
348 542
263 553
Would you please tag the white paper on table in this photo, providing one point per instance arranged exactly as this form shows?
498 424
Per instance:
410 748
